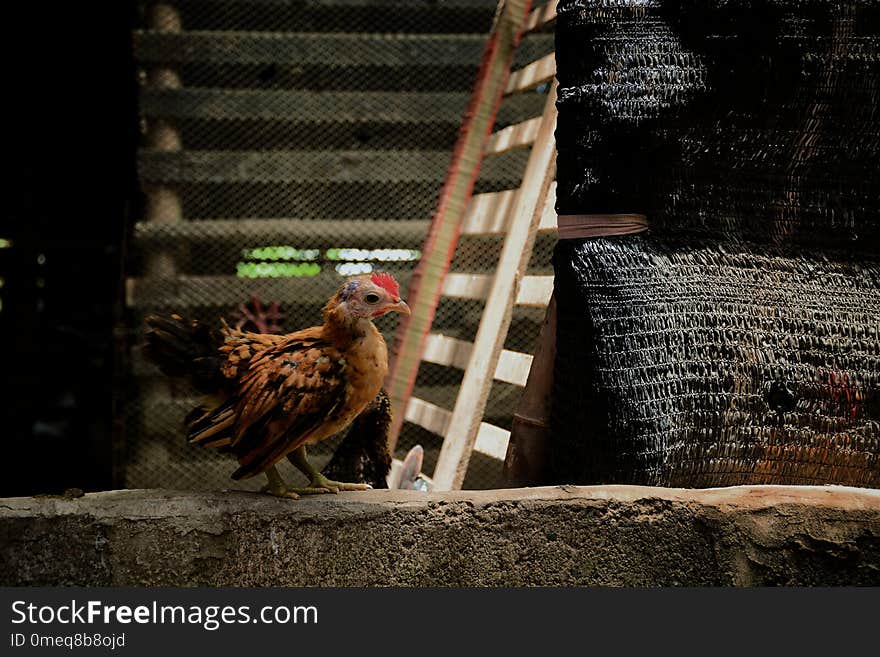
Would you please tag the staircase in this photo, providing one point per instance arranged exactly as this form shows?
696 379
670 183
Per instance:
287 144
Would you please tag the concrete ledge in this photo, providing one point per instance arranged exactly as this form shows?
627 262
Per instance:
598 535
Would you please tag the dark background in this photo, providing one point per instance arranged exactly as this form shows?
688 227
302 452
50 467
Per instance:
70 134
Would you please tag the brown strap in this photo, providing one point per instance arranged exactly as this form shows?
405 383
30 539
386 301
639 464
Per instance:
579 226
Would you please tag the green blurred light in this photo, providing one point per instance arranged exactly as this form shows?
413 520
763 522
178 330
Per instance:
280 252
353 268
382 255
277 269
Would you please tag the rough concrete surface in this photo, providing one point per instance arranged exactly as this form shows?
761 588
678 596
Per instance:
597 535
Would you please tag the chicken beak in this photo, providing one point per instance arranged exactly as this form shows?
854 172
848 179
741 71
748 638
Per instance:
401 307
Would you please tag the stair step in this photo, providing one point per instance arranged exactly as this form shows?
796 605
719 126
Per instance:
306 232
207 135
184 292
338 15
319 77
211 119
311 107
325 49
343 200
304 166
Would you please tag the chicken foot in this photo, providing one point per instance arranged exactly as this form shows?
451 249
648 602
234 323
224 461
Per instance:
277 487
318 483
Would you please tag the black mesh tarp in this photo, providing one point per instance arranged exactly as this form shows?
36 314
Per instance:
739 341
690 363
752 119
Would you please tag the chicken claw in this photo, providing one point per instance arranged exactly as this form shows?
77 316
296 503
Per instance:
317 481
276 486
336 486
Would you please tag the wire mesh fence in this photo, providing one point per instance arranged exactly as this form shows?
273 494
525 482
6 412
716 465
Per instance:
289 144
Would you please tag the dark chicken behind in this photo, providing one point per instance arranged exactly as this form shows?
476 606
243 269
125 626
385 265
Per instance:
363 454
269 396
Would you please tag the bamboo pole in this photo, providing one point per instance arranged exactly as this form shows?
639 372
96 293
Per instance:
163 204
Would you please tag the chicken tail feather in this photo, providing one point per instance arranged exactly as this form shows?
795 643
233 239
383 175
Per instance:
185 349
211 427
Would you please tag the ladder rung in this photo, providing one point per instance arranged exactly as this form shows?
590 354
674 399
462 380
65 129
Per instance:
491 440
427 415
520 135
548 214
540 17
534 290
487 213
532 75
443 350
513 366
466 286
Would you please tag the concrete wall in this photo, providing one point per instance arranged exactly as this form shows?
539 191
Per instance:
601 535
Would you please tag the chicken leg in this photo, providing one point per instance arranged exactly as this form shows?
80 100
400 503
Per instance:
277 487
318 483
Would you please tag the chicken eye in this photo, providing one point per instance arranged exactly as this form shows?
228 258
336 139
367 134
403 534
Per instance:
372 297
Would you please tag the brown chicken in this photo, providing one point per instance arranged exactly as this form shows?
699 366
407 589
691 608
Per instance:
269 396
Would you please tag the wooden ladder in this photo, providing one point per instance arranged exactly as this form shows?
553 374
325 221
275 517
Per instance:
518 215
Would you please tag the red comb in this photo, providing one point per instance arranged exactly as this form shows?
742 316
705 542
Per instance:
386 281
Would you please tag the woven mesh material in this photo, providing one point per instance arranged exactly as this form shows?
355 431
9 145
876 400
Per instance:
723 118
313 126
693 363
740 343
